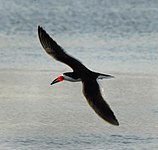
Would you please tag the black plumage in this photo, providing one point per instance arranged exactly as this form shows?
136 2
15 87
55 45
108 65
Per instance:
91 88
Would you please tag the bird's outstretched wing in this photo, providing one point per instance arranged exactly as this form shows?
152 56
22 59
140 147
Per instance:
92 93
53 49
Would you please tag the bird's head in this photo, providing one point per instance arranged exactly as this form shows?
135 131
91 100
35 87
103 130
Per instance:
58 79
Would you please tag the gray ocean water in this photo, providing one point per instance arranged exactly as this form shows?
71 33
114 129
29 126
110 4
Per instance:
119 37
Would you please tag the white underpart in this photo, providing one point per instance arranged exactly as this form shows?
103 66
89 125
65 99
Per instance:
101 85
104 77
102 91
71 79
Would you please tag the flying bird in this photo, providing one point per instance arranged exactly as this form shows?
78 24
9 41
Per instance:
91 89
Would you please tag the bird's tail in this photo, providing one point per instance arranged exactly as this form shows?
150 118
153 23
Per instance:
105 76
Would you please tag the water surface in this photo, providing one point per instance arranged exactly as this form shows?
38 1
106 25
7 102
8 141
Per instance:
118 38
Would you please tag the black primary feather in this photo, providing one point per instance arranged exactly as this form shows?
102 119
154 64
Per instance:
93 95
53 49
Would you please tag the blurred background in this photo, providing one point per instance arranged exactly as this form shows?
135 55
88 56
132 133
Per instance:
120 35
114 37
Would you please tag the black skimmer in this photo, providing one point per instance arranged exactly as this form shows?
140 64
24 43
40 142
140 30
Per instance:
81 73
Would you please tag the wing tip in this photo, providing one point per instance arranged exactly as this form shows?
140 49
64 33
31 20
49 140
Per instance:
45 40
111 119
39 27
40 30
114 122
